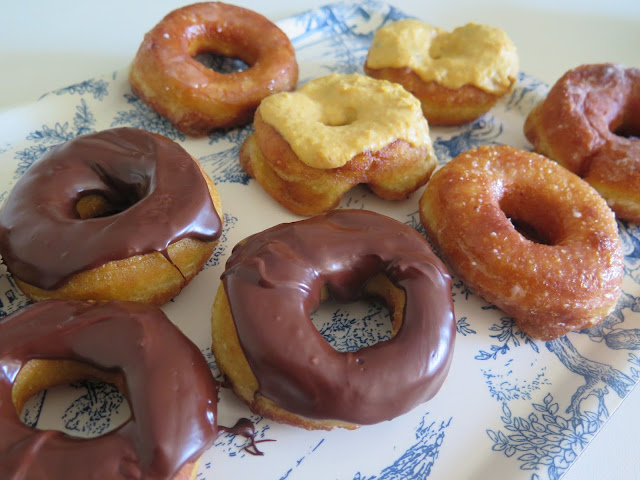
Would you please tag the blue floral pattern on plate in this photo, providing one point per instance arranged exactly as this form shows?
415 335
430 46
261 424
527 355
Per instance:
512 406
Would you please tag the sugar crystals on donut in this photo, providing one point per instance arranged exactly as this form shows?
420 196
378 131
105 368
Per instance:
527 235
590 123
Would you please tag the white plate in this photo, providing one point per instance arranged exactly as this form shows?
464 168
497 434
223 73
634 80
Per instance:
511 407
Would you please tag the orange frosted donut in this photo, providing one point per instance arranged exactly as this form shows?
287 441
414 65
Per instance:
119 214
457 76
311 146
173 397
528 235
196 99
590 124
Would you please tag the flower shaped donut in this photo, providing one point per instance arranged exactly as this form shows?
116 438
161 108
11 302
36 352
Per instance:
458 75
311 146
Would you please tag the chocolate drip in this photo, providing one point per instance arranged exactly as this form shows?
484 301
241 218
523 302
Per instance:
173 397
245 428
155 187
273 282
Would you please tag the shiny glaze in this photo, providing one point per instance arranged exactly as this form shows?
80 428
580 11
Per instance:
590 124
471 210
273 282
173 397
166 75
159 187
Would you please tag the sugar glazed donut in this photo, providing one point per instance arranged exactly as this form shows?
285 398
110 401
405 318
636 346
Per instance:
119 214
278 362
590 123
311 146
196 99
458 75
173 398
527 235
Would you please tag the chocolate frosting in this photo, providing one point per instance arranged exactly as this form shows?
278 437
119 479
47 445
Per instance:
156 183
273 282
171 391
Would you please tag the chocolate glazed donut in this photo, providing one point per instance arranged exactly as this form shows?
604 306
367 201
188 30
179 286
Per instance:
170 389
156 193
273 282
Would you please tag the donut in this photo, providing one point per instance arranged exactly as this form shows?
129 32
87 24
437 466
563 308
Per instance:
458 76
196 99
590 123
173 398
311 146
529 236
280 365
119 214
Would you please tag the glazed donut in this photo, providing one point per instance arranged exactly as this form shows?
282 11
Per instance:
311 146
457 76
277 361
527 235
196 99
173 398
590 124
120 214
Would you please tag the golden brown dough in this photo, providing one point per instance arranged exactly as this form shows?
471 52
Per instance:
527 235
196 99
590 123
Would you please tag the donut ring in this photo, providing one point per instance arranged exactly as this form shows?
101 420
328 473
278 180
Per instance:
562 273
590 124
57 341
311 146
167 77
280 365
60 237
457 76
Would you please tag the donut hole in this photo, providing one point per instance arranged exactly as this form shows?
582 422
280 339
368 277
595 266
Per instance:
120 190
340 117
349 326
628 126
532 216
81 401
530 232
217 49
221 63
96 205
